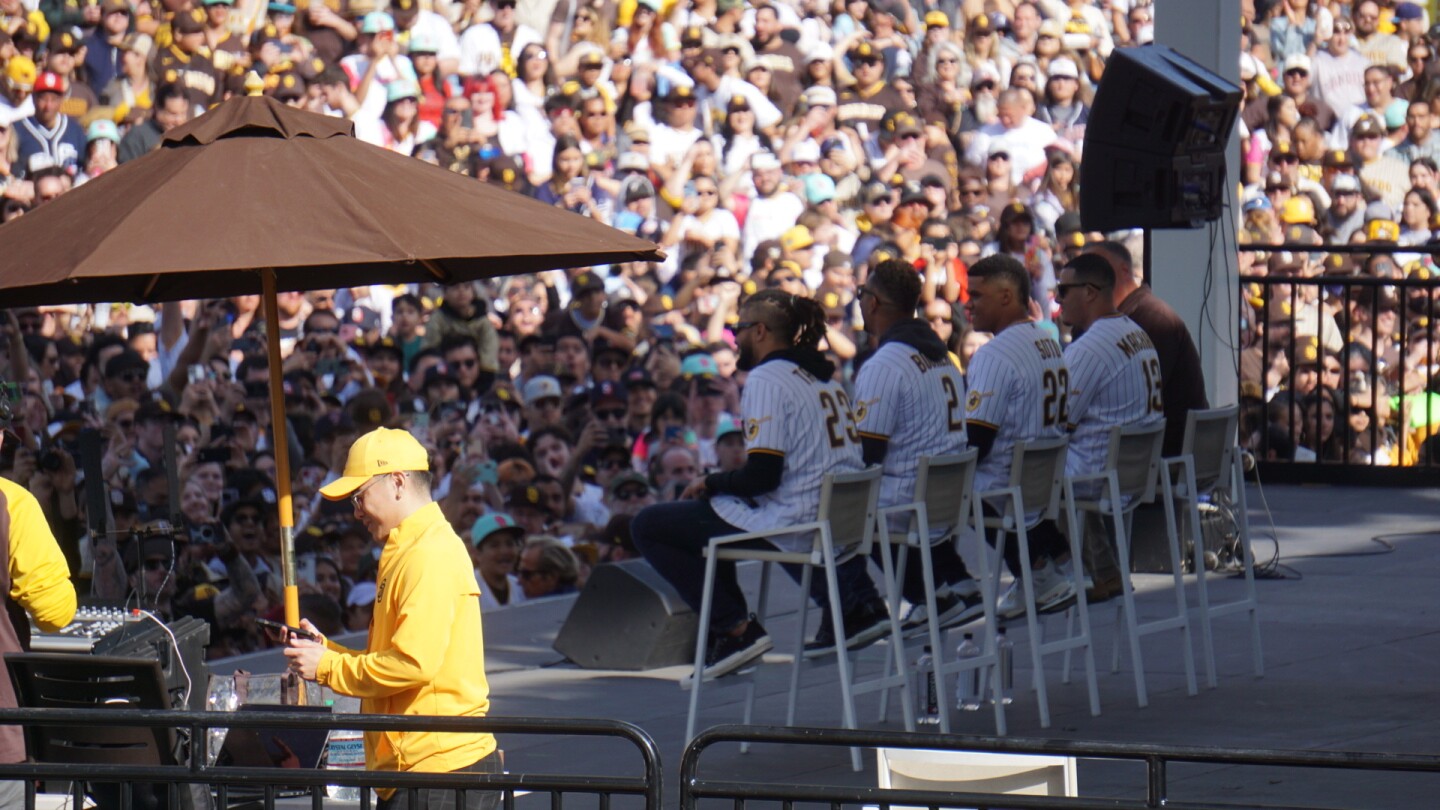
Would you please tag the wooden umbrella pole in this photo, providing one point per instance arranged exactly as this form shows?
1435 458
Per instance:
280 446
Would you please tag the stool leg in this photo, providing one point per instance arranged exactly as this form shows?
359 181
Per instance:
1122 542
1202 588
842 655
702 641
799 645
1177 564
1242 521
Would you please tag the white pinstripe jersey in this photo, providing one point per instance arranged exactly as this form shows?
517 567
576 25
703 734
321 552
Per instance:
1114 380
1019 386
917 405
807 421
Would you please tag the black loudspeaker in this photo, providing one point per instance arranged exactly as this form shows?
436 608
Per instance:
1155 142
628 618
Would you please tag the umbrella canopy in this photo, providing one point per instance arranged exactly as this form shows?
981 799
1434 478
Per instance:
255 184
255 197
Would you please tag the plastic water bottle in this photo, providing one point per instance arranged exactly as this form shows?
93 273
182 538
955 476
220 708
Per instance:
927 712
345 751
967 686
1004 666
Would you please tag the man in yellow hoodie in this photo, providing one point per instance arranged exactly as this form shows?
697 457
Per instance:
34 573
426 653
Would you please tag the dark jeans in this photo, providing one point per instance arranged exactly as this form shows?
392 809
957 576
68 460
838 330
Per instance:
673 537
949 567
445 799
1046 542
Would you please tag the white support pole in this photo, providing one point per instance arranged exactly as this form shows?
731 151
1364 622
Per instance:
1207 31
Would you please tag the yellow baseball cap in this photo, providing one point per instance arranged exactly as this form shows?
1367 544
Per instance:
378 452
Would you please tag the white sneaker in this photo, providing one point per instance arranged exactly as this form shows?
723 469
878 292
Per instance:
1054 588
1053 591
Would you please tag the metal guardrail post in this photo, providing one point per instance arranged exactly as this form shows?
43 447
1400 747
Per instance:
649 787
1155 757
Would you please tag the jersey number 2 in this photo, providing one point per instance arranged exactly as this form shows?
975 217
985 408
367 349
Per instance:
1057 396
837 410
953 404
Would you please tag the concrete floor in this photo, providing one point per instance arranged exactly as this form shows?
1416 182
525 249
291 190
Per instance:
1352 662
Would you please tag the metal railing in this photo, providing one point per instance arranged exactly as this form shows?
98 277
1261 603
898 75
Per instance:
223 779
740 792
1374 326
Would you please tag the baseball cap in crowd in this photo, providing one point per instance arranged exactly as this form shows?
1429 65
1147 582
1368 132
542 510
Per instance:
937 19
1345 183
727 425
913 192
281 7
1339 264
1337 159
819 188
1296 61
820 52
608 391
1048 28
680 92
375 22
102 129
361 595
806 151
1378 210
541 387
493 523
1063 66
21 72
874 192
632 162
692 37
797 237
629 478
591 57
902 123
637 378
190 22
984 73
819 96
51 82
1408 11
586 282
1367 126
699 364
424 42
290 86
401 89
114 7
378 452
762 161
64 42
527 497
155 411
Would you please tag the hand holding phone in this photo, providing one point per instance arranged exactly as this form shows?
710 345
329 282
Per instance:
284 631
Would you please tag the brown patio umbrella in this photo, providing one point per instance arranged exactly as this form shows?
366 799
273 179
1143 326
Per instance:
255 197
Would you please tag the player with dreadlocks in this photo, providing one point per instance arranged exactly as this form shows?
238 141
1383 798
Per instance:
798 427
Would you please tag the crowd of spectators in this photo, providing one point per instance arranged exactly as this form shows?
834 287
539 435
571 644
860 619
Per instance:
1340 149
761 144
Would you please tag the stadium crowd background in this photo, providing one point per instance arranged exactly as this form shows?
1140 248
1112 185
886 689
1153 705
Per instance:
764 145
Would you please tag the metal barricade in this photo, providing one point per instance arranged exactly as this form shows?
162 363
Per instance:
1338 373
748 791
646 789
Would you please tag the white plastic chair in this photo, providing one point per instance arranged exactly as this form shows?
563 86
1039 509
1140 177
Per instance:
944 506
842 529
975 772
1210 465
1126 481
1037 469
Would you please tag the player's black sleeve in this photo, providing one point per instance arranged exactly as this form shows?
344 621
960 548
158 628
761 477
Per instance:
873 449
982 437
761 474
